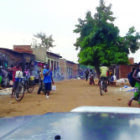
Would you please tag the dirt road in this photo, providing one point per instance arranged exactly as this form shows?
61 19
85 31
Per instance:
69 94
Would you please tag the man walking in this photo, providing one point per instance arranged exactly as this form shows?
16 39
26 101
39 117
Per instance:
48 80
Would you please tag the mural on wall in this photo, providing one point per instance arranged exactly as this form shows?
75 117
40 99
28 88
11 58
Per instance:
3 60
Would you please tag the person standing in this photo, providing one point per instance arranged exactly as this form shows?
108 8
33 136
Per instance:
41 77
87 74
91 77
136 76
48 80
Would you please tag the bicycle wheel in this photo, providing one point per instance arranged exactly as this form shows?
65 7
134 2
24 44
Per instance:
101 87
30 86
105 86
19 92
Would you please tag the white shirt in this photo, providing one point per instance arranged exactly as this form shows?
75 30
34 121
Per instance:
19 74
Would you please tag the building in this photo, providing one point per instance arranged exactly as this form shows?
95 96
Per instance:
44 56
72 69
3 59
69 69
23 48
13 57
40 54
121 71
53 60
61 67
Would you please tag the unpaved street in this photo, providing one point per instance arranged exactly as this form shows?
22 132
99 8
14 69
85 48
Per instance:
68 95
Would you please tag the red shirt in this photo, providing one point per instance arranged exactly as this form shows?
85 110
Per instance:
14 69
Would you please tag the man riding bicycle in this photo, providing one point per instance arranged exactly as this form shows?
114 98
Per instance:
103 74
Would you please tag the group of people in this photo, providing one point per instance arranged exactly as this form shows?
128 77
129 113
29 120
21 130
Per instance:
5 77
105 73
41 75
8 76
89 74
45 78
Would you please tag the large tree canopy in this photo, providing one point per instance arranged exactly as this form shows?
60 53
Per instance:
99 41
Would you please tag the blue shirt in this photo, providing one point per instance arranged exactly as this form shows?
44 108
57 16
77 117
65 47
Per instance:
47 78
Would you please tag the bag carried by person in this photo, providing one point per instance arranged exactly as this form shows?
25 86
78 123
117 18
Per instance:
53 87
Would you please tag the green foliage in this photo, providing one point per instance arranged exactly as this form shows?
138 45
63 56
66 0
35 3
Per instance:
99 41
46 42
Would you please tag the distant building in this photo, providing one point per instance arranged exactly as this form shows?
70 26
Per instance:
69 69
3 59
53 60
23 48
121 71
40 54
61 67
13 57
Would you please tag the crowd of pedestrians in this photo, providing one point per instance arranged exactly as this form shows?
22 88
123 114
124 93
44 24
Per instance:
41 74
90 75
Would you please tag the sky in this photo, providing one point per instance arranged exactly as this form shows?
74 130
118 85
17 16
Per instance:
21 19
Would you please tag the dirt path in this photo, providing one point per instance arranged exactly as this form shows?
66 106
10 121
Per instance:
69 94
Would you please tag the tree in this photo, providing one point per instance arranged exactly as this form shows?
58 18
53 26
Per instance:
46 42
99 41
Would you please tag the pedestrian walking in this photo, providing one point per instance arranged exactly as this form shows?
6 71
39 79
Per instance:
48 80
91 77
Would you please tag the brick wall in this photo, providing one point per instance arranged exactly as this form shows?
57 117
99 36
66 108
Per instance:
75 70
23 48
124 70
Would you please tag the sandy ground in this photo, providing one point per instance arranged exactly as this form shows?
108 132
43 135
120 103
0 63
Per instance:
68 95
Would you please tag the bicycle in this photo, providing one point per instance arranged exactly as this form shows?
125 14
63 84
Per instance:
103 85
18 90
21 86
29 85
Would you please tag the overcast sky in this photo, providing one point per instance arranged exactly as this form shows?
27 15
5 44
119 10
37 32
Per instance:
21 19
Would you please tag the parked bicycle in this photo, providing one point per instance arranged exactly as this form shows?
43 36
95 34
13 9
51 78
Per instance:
18 90
29 85
21 87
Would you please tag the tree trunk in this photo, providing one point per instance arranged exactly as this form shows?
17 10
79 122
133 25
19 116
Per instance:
97 70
